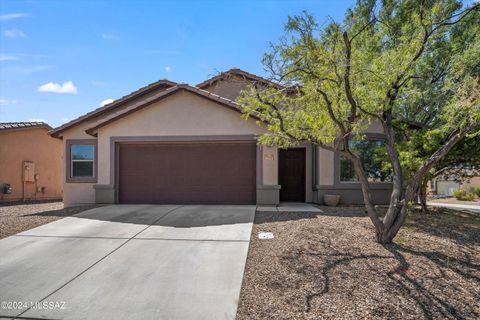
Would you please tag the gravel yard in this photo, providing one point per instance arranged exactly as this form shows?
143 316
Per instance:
15 218
328 266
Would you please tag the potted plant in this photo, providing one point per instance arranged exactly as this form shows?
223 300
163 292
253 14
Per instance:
331 200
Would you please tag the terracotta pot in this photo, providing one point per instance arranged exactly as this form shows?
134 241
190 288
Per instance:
331 200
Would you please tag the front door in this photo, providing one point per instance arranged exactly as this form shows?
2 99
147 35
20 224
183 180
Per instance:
291 174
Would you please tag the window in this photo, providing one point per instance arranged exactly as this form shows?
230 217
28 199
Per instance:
82 158
374 159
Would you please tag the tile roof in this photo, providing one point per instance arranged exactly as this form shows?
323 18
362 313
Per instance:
241 73
23 125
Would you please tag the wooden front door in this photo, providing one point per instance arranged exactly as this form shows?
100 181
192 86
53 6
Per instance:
291 174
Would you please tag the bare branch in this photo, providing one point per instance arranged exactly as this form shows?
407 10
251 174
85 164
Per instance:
328 104
348 89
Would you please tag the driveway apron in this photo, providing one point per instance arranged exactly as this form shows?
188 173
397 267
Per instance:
129 262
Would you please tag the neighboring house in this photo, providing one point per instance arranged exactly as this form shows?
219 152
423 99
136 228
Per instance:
444 187
30 162
175 143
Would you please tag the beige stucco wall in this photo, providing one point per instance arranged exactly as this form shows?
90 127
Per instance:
473 183
447 187
76 193
182 114
33 145
270 165
326 161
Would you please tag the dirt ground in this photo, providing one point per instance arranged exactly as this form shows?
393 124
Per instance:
15 218
328 266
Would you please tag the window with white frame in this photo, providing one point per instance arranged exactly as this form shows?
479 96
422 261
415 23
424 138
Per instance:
82 157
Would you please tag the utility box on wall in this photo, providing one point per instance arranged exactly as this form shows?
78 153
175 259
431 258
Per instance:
28 171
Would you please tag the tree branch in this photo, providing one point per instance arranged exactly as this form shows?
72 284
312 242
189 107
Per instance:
346 78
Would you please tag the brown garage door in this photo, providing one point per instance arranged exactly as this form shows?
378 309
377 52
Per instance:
187 173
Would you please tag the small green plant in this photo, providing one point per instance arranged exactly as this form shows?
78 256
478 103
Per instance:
463 195
477 191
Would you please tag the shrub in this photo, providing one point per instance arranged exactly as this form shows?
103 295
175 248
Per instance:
477 191
463 195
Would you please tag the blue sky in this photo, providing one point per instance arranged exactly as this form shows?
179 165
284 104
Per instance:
90 51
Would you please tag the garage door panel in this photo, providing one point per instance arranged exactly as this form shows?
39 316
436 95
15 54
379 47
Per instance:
187 173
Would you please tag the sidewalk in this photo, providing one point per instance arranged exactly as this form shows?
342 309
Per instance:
468 207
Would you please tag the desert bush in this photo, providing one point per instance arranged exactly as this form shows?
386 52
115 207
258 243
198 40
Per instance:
477 191
463 195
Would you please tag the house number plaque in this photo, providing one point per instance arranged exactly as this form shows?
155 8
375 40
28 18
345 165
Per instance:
268 156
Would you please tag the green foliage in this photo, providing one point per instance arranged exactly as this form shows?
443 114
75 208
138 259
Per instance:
416 62
411 68
477 191
374 159
463 195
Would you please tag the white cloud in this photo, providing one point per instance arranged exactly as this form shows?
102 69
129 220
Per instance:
168 69
6 57
6 102
36 120
14 33
109 36
105 102
65 120
66 87
10 16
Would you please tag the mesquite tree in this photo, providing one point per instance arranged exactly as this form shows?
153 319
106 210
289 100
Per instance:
379 65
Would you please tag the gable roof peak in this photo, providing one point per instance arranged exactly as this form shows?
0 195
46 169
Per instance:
110 106
161 95
241 73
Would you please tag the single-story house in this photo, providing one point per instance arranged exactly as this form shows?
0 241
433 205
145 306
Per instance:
175 143
30 162
442 186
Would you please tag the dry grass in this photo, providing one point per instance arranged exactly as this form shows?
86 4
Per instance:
16 218
328 266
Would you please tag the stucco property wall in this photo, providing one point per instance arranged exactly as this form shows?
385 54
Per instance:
33 144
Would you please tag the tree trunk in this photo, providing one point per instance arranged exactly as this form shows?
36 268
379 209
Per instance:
387 228
411 191
422 195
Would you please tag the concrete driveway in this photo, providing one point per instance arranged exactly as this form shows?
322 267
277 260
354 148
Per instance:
129 262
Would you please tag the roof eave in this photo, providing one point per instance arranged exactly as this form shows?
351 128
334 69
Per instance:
125 99
205 94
